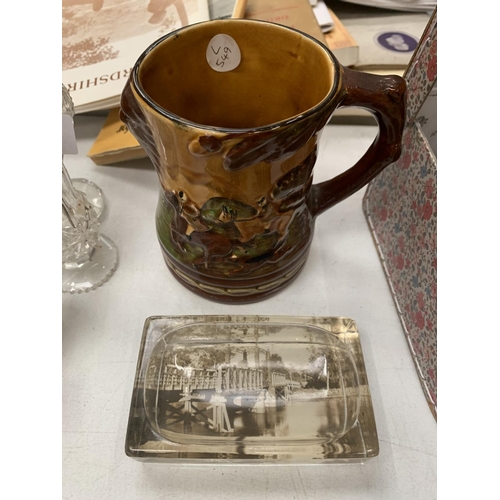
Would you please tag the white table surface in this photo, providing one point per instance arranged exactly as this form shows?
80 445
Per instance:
342 277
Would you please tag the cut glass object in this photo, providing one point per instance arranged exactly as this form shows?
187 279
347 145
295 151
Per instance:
91 191
242 388
88 257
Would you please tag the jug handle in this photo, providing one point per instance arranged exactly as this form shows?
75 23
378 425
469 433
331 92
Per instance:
384 97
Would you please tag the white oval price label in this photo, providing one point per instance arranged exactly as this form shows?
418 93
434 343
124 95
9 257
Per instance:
223 53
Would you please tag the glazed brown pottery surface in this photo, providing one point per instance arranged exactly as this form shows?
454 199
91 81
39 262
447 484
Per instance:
235 150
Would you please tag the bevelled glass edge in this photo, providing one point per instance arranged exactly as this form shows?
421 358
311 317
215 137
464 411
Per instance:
340 326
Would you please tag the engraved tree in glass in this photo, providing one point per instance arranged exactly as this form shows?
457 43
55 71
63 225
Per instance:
88 257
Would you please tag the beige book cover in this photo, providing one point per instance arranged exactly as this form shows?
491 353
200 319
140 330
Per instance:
297 14
115 143
102 39
340 41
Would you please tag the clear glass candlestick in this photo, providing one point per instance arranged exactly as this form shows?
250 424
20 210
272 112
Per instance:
88 257
92 192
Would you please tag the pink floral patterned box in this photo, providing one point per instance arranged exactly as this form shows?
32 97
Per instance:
401 209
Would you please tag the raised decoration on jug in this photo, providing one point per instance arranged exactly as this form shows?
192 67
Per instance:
235 151
227 237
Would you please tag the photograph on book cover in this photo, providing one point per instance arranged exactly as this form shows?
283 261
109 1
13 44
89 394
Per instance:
102 39
401 208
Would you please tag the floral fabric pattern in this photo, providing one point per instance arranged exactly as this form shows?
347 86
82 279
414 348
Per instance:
422 71
400 205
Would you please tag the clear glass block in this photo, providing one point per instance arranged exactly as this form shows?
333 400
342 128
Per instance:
246 388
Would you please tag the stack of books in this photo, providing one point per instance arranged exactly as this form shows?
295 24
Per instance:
102 40
95 68
386 38
115 143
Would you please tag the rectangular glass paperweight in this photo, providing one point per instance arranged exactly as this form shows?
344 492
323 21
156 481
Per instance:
251 388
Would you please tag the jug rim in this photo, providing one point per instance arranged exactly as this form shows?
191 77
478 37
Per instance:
134 78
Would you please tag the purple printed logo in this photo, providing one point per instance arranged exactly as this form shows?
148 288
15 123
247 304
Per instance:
397 41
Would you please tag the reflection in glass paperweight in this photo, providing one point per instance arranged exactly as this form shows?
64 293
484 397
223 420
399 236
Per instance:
269 388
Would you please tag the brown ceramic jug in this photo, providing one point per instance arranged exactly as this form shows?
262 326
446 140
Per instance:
230 113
